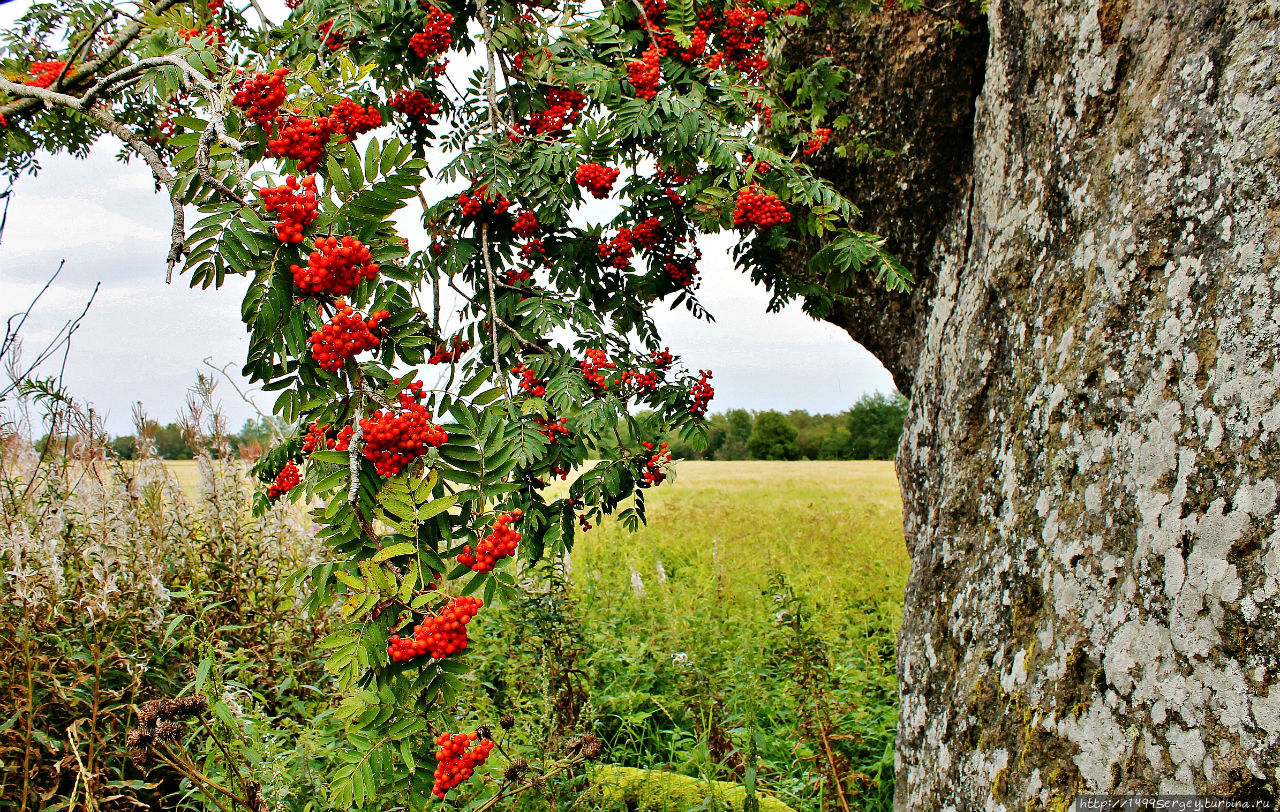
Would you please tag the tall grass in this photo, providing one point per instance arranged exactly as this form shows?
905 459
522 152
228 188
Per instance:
115 583
760 597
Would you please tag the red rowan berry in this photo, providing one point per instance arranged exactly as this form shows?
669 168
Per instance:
655 467
416 106
456 763
530 383
294 204
335 267
345 335
43 73
700 394
682 272
533 251
435 38
552 428
314 437
662 359
501 542
758 210
333 39
261 95
645 73
596 179
445 354
647 232
563 109
617 252
591 366
395 438
437 636
818 140
479 204
285 481
526 224
350 119
301 138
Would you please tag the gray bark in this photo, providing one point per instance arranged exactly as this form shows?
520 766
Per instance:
1091 463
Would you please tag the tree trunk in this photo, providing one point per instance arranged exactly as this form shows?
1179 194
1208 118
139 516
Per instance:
1090 465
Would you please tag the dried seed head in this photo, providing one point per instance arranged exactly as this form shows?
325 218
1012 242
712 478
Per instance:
507 721
149 713
139 738
484 732
139 755
187 706
516 769
168 730
592 748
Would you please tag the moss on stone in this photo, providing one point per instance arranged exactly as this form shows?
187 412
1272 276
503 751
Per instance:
657 791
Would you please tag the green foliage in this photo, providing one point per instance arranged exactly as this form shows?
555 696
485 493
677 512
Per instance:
875 424
773 438
654 791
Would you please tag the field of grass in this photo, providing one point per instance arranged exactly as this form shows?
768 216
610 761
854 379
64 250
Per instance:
761 596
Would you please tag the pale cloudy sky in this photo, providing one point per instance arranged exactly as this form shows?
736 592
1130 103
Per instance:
146 341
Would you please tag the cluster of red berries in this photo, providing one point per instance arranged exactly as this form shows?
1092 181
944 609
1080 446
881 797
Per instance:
818 140
393 439
345 335
455 763
285 481
645 73
642 381
761 167
261 95
43 73
526 224
682 271
211 34
518 277
434 38
294 204
758 210
314 437
478 204
301 138
596 179
700 394
552 428
662 359
655 468
448 353
563 109
333 39
501 542
646 233
670 180
591 367
533 251
350 119
335 267
437 636
530 383
416 105
617 252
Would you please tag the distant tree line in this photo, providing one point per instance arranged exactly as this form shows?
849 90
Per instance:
868 431
171 440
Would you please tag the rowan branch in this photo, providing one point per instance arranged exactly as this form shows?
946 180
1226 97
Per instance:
123 39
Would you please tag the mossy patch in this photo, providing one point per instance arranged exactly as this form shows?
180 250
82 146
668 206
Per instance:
639 790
